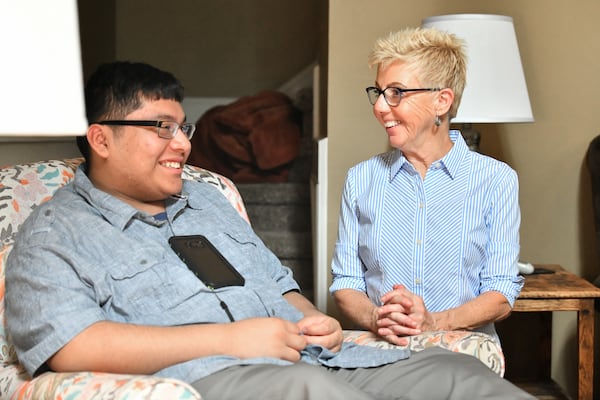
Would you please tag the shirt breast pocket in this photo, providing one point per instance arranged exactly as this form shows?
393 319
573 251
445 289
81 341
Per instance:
143 286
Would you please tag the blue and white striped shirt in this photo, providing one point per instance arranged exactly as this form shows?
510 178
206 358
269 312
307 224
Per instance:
447 238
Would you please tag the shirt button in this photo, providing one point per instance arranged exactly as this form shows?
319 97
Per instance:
417 281
421 205
418 241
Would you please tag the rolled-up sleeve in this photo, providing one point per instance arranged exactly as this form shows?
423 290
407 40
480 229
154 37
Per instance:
346 266
501 272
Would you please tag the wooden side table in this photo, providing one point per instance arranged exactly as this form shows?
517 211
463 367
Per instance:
565 291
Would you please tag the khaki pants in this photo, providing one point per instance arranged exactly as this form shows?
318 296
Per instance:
427 375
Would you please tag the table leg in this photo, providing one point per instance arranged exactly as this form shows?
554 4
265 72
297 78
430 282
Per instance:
585 328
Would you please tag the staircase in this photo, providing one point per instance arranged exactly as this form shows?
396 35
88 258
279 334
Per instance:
281 216
280 213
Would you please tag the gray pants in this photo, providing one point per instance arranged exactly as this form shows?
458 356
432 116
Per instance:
427 375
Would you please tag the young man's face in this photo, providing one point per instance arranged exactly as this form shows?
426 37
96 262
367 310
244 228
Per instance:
142 168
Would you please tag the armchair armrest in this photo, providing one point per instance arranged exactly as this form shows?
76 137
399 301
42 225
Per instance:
96 386
476 344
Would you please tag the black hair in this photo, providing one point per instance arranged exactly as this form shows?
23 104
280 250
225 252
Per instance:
116 89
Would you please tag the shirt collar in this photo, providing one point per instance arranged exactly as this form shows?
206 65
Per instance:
450 162
457 153
117 212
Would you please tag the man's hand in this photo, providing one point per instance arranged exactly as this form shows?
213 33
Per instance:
317 327
322 330
267 337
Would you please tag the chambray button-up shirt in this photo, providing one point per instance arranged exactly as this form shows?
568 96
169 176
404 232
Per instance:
85 256
447 238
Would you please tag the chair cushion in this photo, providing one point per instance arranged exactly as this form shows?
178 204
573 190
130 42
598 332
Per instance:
25 186
97 386
476 344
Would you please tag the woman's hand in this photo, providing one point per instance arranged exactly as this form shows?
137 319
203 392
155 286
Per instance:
403 314
322 330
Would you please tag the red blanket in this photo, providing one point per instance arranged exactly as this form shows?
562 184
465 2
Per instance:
254 139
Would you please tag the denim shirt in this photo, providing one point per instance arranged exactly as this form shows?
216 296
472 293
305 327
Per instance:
85 256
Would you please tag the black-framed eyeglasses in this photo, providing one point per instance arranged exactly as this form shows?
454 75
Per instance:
164 129
392 95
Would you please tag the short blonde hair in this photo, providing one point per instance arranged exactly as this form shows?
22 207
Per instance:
440 58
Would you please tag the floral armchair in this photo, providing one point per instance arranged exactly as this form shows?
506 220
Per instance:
24 186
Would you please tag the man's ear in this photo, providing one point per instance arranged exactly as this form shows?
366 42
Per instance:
444 101
98 137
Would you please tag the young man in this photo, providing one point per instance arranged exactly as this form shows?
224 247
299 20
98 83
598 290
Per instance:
111 295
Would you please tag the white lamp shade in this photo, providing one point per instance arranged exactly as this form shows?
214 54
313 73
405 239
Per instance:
495 90
41 80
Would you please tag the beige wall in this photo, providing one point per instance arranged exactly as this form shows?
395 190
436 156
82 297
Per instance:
97 32
14 152
220 48
561 58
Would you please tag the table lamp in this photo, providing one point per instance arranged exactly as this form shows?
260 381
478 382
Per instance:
495 91
41 76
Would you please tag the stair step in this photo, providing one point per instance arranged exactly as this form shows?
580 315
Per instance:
280 217
280 214
287 244
274 193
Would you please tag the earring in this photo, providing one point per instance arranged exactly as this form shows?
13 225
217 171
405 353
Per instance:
437 121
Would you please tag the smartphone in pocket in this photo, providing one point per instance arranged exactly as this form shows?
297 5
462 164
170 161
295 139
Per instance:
205 261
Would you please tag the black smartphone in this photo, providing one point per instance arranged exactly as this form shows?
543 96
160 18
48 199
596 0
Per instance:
537 270
205 261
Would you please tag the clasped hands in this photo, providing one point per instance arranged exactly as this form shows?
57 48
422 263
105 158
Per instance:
403 313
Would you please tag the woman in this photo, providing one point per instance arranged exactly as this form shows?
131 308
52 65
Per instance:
428 234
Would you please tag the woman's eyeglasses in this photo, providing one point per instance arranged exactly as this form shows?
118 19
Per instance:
392 95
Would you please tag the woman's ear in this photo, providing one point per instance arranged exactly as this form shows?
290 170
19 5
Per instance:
444 101
98 138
